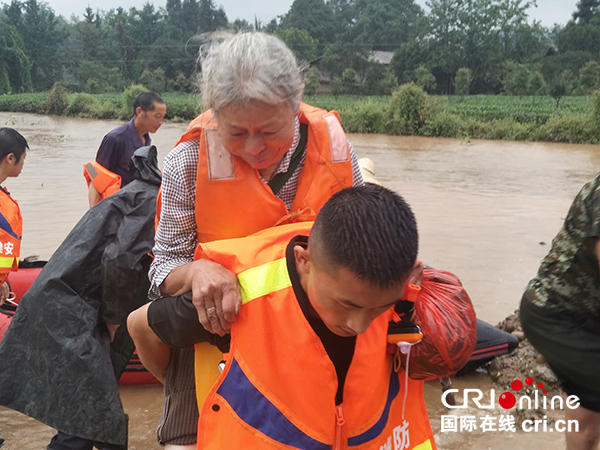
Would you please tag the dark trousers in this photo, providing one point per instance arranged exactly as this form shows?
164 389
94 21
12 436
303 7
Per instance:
63 441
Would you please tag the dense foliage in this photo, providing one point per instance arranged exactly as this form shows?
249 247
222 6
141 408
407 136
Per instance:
91 66
492 40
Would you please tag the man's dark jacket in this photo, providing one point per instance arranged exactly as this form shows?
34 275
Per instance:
55 359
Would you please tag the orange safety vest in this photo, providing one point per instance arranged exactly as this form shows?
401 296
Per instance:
278 388
11 230
232 200
105 181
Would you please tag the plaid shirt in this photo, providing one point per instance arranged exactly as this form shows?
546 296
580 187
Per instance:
176 238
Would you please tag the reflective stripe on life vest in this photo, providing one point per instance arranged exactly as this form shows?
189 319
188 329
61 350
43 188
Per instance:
6 227
259 281
257 411
7 262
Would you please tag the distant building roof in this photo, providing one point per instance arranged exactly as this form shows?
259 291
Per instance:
381 57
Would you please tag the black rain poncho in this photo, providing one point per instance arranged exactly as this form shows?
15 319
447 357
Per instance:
55 358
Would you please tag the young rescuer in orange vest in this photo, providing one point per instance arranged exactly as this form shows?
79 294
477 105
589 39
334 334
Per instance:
13 149
309 364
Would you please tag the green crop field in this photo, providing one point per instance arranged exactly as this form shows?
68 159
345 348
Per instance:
477 116
522 109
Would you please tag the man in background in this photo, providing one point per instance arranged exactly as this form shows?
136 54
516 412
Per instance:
118 146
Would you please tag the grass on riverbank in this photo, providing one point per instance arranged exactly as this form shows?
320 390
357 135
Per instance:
409 111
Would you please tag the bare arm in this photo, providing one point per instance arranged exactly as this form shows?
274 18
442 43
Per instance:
173 271
4 293
93 195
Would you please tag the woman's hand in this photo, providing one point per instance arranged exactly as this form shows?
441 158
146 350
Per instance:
215 294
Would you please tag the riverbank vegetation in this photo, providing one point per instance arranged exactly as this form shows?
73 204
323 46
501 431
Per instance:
409 111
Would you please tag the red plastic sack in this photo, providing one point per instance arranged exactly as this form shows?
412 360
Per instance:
447 319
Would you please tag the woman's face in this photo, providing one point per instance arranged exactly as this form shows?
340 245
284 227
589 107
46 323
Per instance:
258 133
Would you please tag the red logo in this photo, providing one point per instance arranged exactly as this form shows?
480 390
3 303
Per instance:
508 400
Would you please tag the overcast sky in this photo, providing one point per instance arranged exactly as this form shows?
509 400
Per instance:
548 12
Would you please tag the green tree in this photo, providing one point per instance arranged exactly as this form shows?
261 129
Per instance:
516 80
312 82
300 42
241 25
561 86
589 76
345 55
379 80
596 106
407 110
211 18
587 10
154 81
128 97
313 16
15 67
582 33
91 70
336 86
481 35
425 79
349 80
181 84
271 26
42 33
384 24
462 81
407 58
537 85
343 15
57 100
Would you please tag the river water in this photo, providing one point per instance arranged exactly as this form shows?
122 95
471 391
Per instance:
487 211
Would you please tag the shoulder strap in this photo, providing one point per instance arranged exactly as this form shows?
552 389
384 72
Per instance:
279 180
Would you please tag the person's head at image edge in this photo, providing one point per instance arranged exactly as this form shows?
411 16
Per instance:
149 111
13 150
253 84
361 251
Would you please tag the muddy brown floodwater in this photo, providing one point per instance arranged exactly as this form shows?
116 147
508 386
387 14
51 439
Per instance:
487 211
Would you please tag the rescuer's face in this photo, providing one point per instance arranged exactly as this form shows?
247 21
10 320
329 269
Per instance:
346 304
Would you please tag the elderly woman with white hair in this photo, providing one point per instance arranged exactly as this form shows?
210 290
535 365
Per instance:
256 158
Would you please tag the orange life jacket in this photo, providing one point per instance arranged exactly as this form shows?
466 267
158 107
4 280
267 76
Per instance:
278 388
11 229
105 181
232 200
